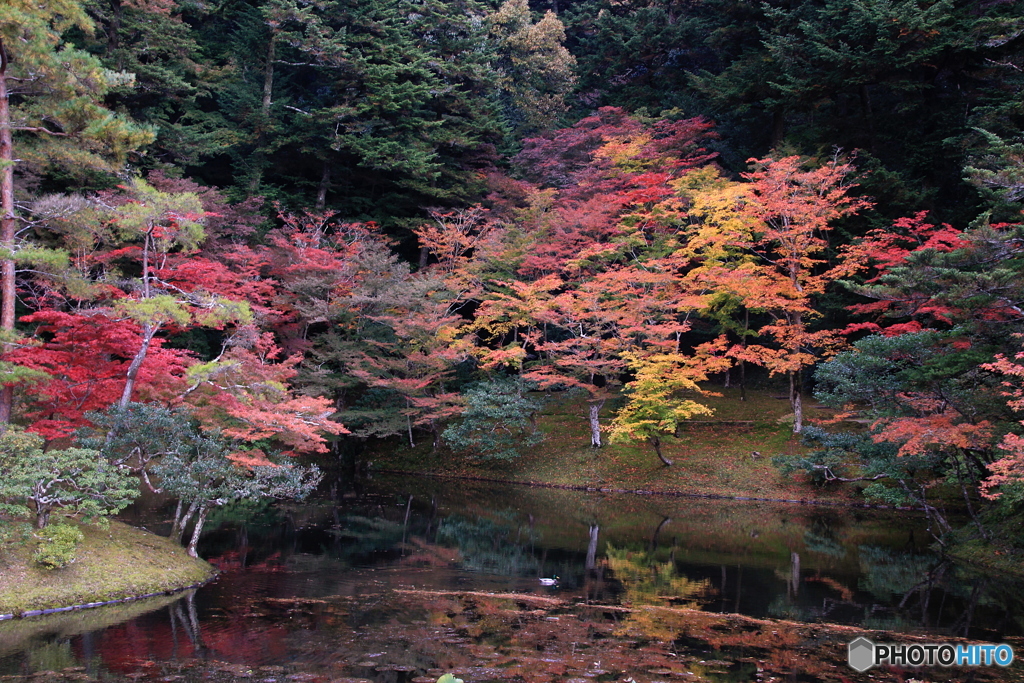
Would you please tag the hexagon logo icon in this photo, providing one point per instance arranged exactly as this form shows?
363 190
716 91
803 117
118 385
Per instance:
861 654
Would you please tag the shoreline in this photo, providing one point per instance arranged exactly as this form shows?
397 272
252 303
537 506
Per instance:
647 492
115 564
117 601
1006 564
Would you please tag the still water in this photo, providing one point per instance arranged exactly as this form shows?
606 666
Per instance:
362 584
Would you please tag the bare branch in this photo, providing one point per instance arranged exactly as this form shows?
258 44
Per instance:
40 129
832 476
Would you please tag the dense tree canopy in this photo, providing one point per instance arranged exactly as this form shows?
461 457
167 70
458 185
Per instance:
271 228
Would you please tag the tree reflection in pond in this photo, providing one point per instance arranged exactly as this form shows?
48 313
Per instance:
413 636
497 544
791 561
389 586
648 581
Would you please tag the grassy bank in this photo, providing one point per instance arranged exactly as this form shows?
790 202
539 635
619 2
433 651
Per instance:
112 563
726 454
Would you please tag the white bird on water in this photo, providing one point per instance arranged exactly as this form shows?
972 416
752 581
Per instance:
553 581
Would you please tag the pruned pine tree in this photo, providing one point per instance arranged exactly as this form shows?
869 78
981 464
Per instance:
202 476
38 481
202 470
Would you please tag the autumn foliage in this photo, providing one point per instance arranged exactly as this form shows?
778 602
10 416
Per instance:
146 282
620 261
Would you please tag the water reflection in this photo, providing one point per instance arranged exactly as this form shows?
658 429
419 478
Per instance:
372 573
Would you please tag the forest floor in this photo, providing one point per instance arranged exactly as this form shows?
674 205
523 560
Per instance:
112 563
727 454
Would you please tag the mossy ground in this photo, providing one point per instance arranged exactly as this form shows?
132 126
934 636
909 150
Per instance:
727 454
113 562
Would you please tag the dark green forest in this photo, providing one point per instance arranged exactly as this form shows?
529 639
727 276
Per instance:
239 231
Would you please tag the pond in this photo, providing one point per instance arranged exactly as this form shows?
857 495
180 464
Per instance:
406 578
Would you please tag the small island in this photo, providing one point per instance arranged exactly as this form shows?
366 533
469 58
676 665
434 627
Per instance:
113 562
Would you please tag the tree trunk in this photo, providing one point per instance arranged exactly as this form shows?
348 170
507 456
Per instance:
7 281
656 442
177 516
405 522
595 423
259 157
436 434
743 364
204 510
268 77
657 530
591 562
965 490
178 531
325 183
42 516
743 380
796 401
148 332
114 32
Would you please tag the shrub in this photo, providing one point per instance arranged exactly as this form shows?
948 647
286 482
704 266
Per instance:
58 545
38 481
498 421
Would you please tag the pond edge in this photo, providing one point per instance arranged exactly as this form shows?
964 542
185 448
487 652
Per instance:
90 605
648 492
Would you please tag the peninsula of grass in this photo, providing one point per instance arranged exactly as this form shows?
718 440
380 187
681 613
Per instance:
112 563
727 454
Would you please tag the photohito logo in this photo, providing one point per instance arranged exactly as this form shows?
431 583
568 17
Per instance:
864 654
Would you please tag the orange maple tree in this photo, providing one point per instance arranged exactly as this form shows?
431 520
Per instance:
1009 469
763 242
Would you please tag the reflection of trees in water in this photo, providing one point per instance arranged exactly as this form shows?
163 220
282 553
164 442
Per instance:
233 531
887 572
886 576
649 581
359 535
500 545
918 581
943 594
185 625
900 590
826 577
823 544
350 533
51 656
785 605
